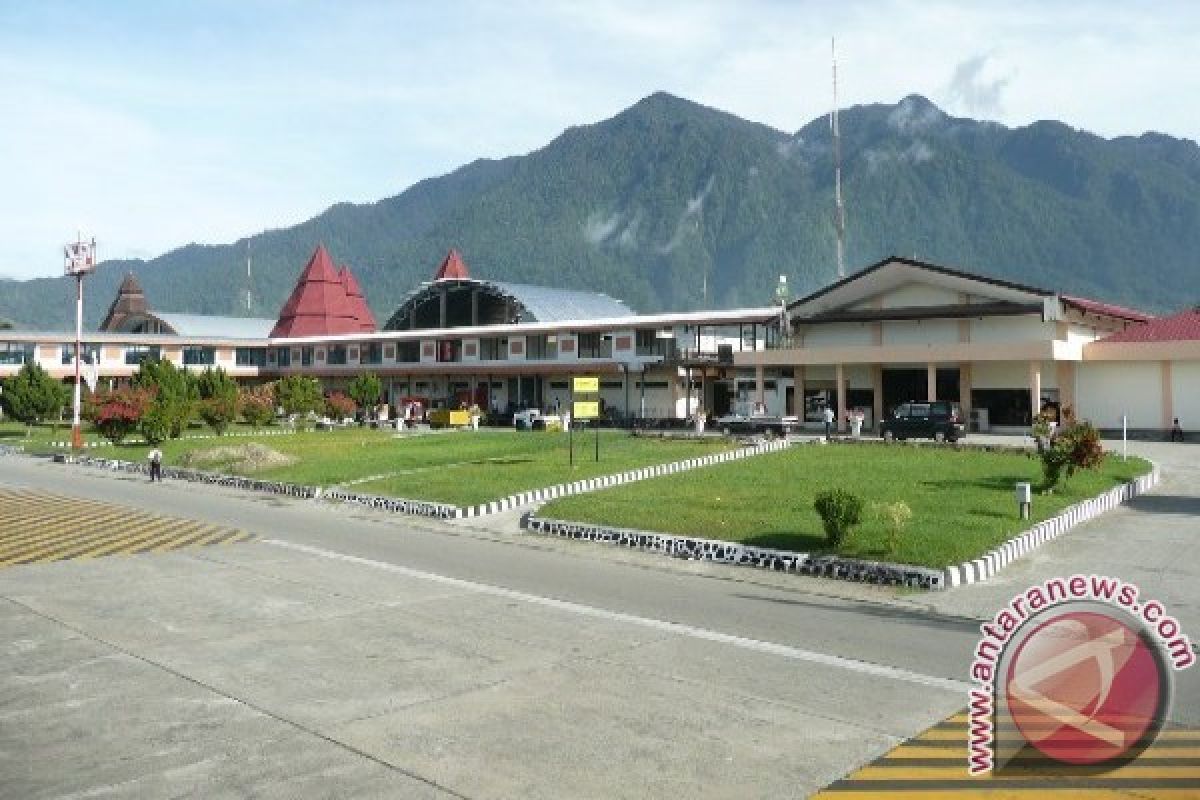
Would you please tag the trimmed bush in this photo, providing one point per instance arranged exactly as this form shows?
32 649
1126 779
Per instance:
840 511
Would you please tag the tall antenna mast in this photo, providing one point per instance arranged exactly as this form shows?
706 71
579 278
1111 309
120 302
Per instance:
249 284
839 212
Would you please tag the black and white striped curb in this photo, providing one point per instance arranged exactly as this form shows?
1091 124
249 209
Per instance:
734 553
617 479
993 561
395 505
11 449
106 443
200 476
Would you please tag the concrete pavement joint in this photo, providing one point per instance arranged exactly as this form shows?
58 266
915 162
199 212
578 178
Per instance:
785 651
241 701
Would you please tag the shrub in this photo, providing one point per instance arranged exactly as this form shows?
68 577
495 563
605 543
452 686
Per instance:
1075 447
298 394
32 395
116 414
339 406
219 412
365 389
176 395
895 518
258 404
840 511
155 424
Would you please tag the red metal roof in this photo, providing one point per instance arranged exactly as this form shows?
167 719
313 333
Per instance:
1107 309
319 304
452 268
1181 327
362 311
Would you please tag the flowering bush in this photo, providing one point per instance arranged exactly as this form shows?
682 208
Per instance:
339 406
118 413
257 404
1075 447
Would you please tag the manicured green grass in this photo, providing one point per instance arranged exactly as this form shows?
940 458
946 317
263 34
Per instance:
458 467
962 500
37 438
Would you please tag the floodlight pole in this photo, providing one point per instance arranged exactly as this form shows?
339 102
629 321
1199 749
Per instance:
80 260
76 431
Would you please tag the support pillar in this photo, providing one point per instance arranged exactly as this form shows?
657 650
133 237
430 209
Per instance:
964 391
798 392
687 393
1168 399
841 398
877 394
443 297
931 382
760 386
474 307
1035 389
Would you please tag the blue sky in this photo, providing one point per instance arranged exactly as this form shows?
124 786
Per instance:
153 124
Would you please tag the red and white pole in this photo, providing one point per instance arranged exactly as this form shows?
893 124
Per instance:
76 431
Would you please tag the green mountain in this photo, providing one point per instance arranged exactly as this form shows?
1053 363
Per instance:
671 205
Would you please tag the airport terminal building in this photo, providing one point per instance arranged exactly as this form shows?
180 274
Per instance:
899 330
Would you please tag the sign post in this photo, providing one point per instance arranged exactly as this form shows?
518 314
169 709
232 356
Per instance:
586 409
80 259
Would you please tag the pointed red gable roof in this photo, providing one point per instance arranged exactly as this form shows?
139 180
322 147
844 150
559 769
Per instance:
362 311
318 305
452 268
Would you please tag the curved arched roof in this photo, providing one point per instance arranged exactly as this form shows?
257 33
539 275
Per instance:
529 303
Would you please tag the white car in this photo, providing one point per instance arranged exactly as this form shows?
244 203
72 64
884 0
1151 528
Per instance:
524 420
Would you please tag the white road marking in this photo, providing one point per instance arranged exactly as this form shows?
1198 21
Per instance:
785 651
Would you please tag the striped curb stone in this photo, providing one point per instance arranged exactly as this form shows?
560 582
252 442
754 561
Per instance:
629 476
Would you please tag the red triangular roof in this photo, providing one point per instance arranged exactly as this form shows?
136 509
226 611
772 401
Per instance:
318 305
452 268
1181 327
362 311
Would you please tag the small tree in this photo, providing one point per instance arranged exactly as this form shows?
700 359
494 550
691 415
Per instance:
840 511
219 402
258 404
339 406
32 396
365 389
298 394
155 424
116 414
176 395
1075 447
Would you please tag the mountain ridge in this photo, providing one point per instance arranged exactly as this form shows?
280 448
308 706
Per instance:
670 204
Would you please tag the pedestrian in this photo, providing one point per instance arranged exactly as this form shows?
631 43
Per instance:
828 416
1176 431
155 457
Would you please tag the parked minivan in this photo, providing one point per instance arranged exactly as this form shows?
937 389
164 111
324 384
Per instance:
937 419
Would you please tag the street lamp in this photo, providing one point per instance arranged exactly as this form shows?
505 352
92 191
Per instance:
80 260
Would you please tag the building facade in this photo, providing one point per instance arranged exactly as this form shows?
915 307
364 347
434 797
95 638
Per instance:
900 330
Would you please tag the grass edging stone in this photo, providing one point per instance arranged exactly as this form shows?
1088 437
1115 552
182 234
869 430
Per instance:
734 553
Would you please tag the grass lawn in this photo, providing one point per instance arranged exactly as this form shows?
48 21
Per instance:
459 467
37 438
962 500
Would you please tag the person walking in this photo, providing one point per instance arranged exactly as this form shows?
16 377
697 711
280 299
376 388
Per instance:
155 457
1176 431
828 415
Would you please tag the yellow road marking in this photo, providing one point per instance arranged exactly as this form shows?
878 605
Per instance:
40 527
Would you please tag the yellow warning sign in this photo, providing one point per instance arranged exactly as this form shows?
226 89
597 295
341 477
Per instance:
586 409
587 385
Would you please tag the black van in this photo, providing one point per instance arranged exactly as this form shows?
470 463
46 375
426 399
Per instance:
936 419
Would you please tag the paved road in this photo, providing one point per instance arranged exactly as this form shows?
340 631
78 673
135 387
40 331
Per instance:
349 654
